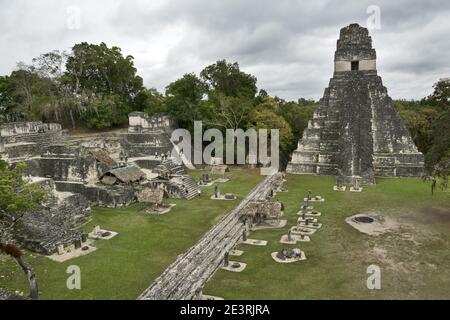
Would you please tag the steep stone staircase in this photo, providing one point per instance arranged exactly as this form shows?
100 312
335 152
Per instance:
191 186
173 167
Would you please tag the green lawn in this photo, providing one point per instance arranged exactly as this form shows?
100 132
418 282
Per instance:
123 267
414 260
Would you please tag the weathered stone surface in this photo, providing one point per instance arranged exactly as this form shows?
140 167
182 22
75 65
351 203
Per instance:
21 140
185 277
151 196
174 179
7 295
356 131
148 135
98 195
54 224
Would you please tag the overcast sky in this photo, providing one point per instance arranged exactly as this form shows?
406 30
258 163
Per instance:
288 45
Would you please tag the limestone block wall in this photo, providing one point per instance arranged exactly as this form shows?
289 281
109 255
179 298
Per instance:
142 122
43 229
22 128
364 65
63 168
146 144
22 150
98 195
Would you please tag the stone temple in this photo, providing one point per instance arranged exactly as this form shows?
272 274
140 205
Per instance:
356 132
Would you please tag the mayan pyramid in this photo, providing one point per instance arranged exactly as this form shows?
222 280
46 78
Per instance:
356 131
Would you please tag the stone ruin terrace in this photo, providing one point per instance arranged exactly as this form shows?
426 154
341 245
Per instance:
83 172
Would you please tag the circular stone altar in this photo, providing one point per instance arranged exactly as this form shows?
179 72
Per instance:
371 223
298 256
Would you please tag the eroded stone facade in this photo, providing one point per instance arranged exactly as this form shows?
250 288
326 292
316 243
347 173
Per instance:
356 131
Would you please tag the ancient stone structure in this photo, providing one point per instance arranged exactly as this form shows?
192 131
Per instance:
174 180
263 210
148 136
356 131
53 224
22 140
168 168
185 277
123 175
86 171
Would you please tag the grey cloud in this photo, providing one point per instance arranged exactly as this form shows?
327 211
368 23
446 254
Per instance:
288 45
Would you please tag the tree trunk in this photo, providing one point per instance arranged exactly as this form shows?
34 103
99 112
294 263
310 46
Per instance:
71 118
31 277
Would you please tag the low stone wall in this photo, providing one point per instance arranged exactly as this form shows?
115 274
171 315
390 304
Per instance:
23 128
22 150
146 144
63 167
142 122
147 163
98 195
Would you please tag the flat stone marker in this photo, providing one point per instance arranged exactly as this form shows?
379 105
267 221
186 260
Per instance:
310 225
301 238
223 198
236 253
235 266
73 253
99 234
254 242
310 213
302 230
341 189
315 200
288 260
285 239
311 220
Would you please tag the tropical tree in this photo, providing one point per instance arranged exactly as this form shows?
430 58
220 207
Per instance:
17 197
441 94
184 99
418 118
228 112
266 116
229 80
102 75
